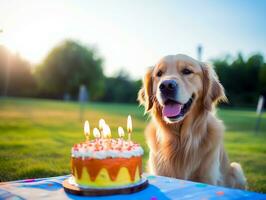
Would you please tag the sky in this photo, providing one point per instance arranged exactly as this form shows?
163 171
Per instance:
135 34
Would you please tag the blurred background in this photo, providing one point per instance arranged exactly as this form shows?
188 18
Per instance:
62 62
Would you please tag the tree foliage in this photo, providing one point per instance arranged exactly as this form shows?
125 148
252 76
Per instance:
243 80
15 75
69 65
121 88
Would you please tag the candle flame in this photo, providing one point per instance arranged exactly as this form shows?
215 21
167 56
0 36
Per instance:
121 132
101 124
129 124
106 131
86 128
96 133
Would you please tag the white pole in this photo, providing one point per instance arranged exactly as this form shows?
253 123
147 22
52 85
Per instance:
199 51
259 113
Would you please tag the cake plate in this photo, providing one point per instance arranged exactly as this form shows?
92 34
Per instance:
72 187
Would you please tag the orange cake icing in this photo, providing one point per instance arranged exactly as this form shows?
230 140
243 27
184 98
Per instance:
106 163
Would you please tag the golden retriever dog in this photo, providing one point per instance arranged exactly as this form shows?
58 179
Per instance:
184 136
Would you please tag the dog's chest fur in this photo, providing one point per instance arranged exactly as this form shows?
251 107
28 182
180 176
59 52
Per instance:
182 157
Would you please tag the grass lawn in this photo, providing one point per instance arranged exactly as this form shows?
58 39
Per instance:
36 136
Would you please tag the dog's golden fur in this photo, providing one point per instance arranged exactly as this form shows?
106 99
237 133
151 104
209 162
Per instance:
192 148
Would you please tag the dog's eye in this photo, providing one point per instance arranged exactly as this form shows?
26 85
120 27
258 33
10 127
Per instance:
159 73
186 71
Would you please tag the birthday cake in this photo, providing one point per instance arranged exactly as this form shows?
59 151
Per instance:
105 162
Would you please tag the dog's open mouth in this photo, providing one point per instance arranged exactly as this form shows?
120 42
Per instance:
174 110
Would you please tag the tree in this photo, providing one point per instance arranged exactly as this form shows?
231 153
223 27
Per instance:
121 88
262 80
67 66
243 80
16 77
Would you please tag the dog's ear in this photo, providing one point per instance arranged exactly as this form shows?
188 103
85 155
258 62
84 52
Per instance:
213 91
145 93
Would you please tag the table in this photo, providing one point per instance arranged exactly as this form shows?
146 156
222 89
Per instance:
159 188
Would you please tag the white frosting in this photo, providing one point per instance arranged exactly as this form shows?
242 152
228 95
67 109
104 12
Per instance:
116 150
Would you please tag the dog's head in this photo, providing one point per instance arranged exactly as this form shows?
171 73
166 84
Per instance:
177 84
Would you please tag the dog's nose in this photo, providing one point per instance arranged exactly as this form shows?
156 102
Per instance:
168 86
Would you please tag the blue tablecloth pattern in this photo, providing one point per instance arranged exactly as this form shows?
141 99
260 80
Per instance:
159 188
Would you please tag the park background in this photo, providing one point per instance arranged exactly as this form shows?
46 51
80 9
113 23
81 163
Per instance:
49 50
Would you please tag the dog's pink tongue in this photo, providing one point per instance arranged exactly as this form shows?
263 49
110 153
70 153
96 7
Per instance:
171 110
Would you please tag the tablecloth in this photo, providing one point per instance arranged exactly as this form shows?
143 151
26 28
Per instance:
159 188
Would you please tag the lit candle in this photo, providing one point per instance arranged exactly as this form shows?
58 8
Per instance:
87 130
97 135
121 134
107 135
101 125
129 127
105 131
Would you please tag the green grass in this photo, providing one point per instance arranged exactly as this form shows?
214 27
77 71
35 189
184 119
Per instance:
36 136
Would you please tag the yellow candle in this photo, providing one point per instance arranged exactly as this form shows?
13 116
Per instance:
101 126
129 127
107 135
97 135
87 130
106 131
121 134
